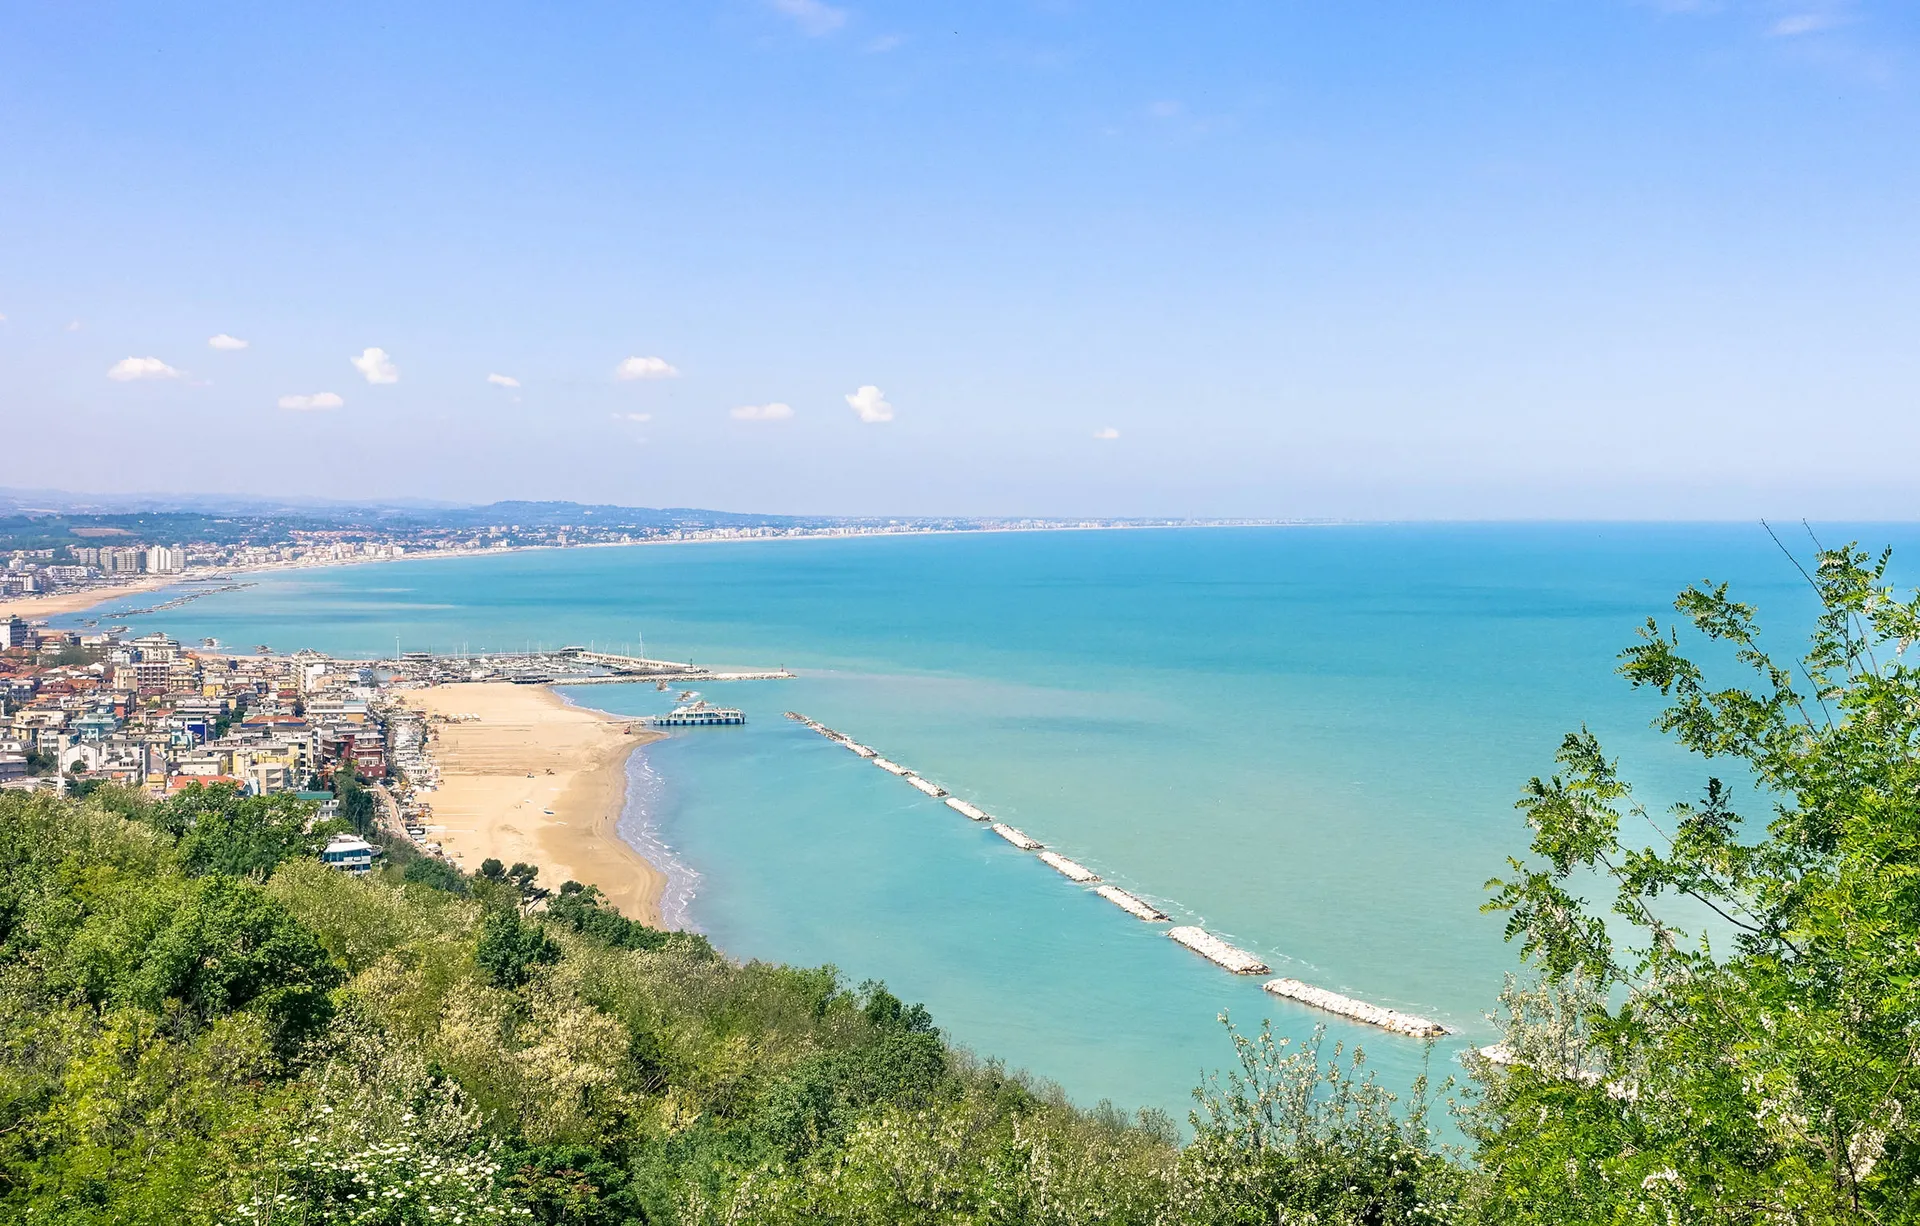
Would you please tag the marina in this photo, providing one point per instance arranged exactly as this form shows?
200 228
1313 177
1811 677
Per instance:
1355 1010
1132 904
1218 952
1069 869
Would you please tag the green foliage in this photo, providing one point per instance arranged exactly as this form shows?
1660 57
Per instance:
510 948
1763 1066
358 809
1291 1136
222 830
436 874
584 909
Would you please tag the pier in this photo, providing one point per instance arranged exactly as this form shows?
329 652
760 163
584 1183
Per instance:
930 788
1355 1010
892 768
1016 837
1218 952
1132 904
1069 869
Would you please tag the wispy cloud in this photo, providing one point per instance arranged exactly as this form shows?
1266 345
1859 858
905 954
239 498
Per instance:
871 404
223 341
74 326
1796 24
503 381
1107 435
637 417
884 44
812 16
645 368
774 411
376 366
128 369
308 404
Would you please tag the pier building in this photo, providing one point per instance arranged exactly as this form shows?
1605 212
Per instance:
695 714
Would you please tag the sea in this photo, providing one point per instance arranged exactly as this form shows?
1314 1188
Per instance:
1307 739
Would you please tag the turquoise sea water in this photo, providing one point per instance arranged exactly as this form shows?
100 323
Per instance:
1307 739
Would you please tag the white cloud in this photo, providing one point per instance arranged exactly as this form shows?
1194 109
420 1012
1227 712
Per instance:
871 404
645 368
1801 23
639 417
1165 109
128 369
812 16
885 43
503 381
223 341
763 412
376 366
74 326
319 400
1107 435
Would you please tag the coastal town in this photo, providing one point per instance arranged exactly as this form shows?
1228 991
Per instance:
359 740
58 553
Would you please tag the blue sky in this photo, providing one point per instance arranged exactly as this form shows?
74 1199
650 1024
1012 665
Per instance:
1559 258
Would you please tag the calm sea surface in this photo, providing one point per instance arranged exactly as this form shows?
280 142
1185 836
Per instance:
1307 739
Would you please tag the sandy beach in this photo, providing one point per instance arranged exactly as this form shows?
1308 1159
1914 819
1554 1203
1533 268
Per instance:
34 608
527 753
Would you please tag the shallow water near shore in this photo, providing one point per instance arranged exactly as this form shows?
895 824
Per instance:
1307 739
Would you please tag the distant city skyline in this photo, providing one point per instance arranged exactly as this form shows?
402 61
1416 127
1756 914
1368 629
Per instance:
1595 260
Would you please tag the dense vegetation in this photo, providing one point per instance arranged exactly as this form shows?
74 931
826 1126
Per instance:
198 1023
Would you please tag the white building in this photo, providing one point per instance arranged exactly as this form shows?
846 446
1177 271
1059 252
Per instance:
348 854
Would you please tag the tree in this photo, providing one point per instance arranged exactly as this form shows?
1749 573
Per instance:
223 830
509 948
1764 1066
226 946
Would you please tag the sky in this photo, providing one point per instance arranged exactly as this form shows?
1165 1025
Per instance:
1539 259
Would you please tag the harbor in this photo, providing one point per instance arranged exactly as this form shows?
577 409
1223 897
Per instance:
1208 945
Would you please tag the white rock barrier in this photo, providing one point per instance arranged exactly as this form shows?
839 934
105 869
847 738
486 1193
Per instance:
1069 869
1199 940
1355 1010
1016 837
1132 904
1217 951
